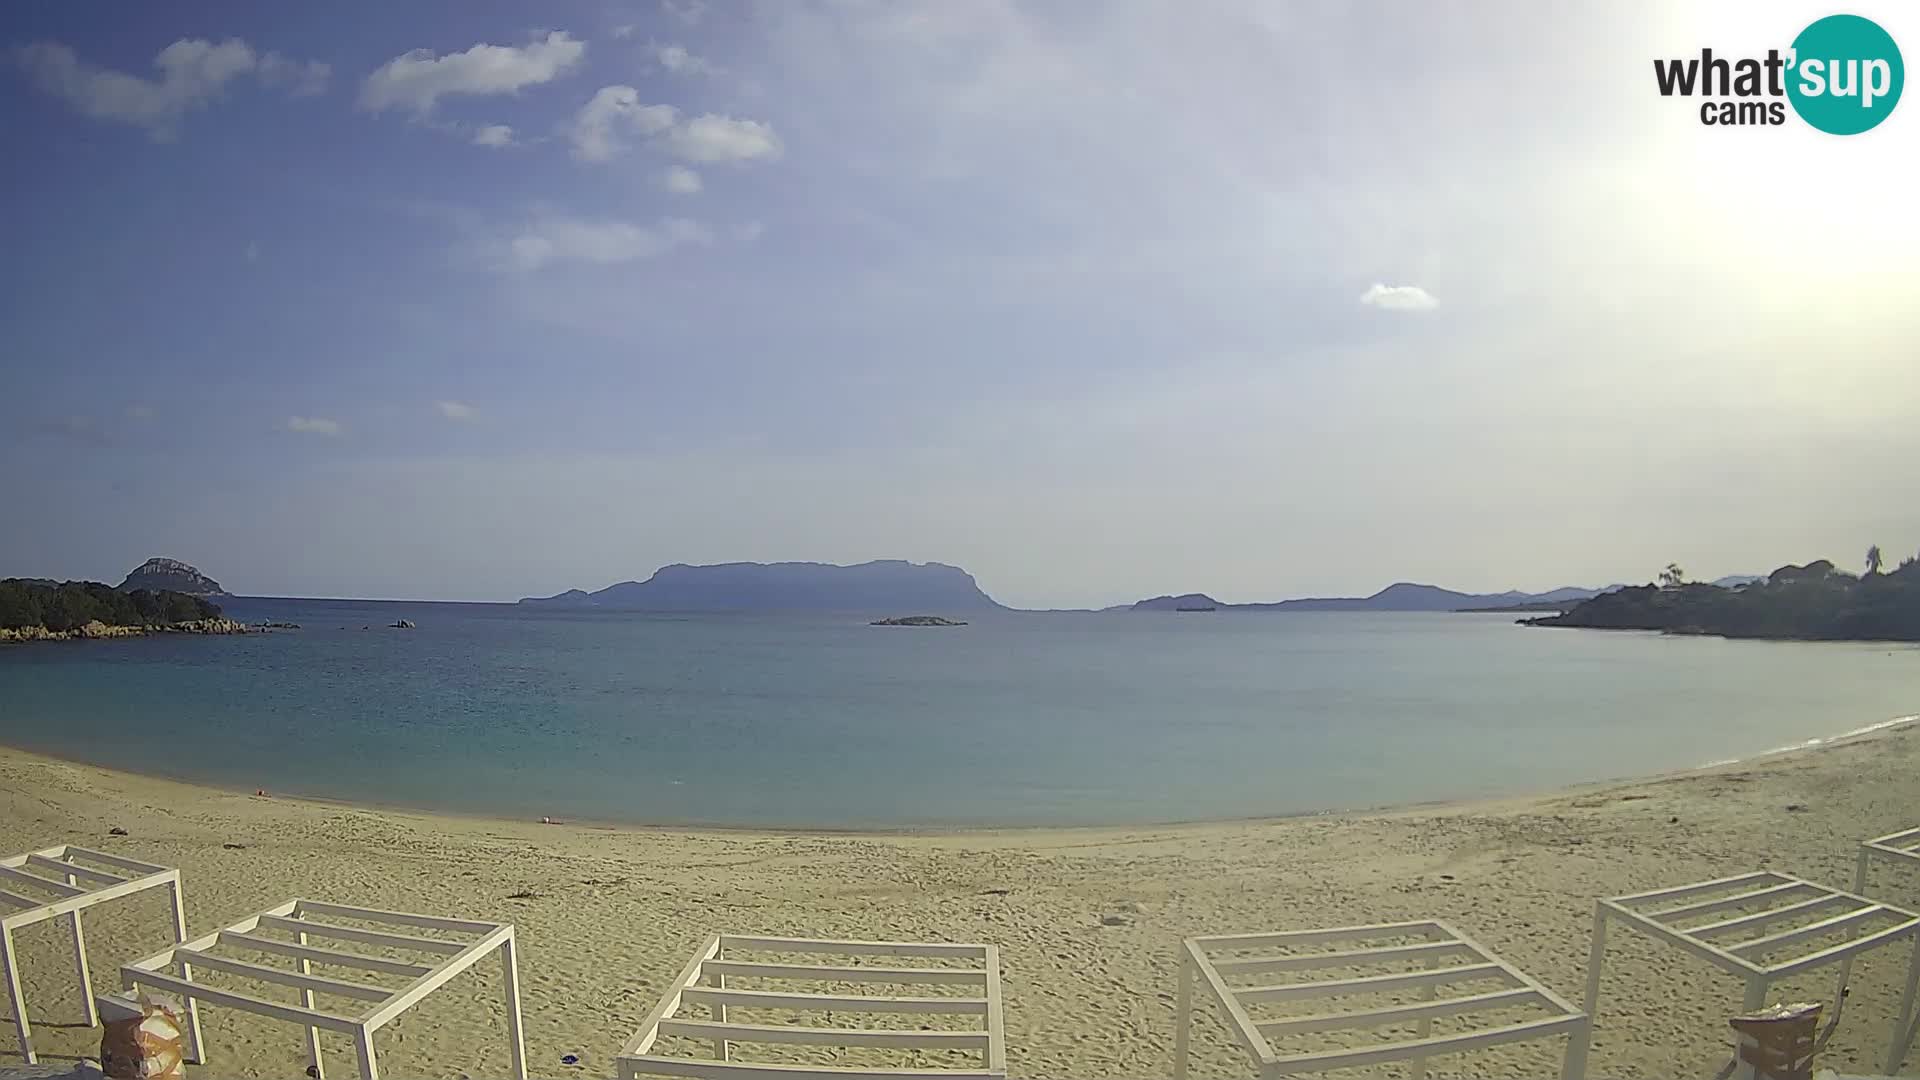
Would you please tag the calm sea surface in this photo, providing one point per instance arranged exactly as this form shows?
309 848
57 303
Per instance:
1016 719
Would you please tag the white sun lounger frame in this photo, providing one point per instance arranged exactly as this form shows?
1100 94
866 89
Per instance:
710 965
79 887
1901 847
1438 941
1818 910
452 958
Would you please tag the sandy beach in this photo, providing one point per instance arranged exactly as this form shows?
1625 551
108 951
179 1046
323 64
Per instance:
1088 919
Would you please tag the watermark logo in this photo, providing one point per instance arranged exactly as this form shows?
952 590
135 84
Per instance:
1850 75
1843 75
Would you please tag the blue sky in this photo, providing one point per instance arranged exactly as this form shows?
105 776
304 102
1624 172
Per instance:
1099 301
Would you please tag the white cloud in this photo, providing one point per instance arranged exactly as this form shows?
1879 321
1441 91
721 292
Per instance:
417 80
613 111
624 30
1399 298
456 410
313 425
549 239
193 72
301 78
680 180
598 126
711 138
687 11
676 59
495 135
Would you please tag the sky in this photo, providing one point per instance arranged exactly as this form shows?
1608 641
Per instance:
1099 301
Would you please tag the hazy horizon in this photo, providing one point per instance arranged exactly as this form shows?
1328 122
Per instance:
1098 303
985 587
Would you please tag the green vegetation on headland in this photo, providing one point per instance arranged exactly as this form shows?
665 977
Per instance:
37 610
1815 602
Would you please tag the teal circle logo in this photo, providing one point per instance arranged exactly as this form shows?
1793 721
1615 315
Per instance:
1846 75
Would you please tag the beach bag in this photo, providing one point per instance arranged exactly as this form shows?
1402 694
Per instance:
145 1045
1778 1043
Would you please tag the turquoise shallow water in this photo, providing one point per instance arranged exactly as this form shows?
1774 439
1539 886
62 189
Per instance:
1014 720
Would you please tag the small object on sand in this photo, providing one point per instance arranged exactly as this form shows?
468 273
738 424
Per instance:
1115 920
234 847
569 1059
313 1071
143 1042
551 821
1796 808
524 894
260 793
1777 1043
116 831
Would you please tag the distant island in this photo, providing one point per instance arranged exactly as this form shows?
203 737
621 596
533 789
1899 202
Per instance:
33 609
1402 596
916 620
1534 605
881 585
1192 601
171 575
1814 602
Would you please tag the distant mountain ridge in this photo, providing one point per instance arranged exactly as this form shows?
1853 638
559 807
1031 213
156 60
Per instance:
171 575
1400 596
883 585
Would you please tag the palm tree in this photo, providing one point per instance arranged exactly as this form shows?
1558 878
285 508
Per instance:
1873 560
1672 577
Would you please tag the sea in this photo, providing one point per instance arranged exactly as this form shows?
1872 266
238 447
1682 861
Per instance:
822 721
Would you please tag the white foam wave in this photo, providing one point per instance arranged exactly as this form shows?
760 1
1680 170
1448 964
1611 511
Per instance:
1883 725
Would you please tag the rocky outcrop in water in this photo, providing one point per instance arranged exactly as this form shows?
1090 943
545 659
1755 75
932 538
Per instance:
96 631
917 620
171 575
